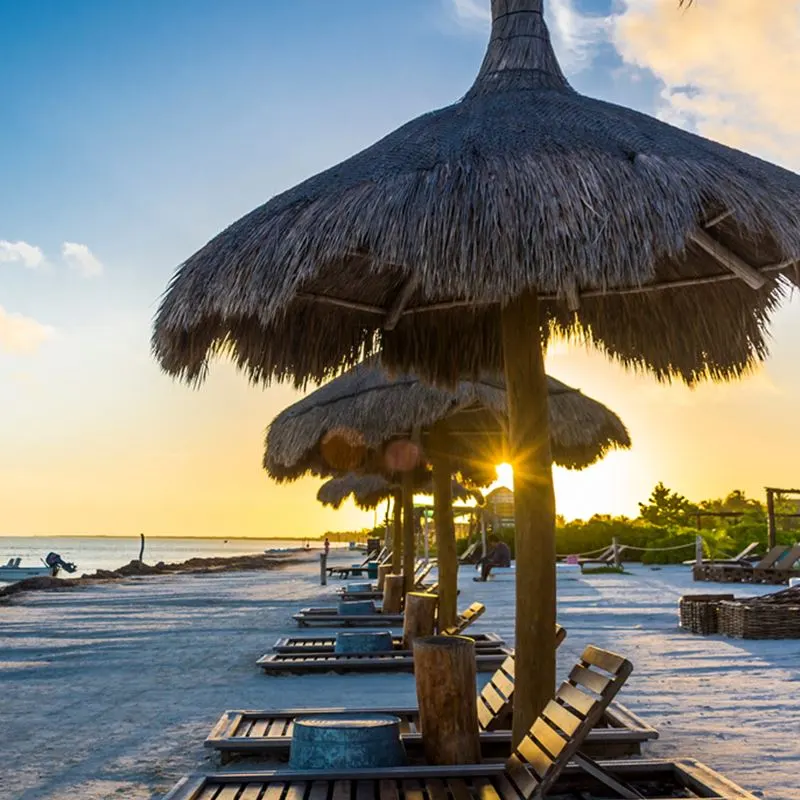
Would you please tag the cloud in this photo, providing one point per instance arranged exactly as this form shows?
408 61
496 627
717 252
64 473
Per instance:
21 335
81 259
730 69
577 37
21 252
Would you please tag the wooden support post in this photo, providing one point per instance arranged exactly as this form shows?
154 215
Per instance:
419 617
393 594
445 527
444 670
408 529
397 533
484 545
383 571
426 537
771 529
615 545
323 568
534 510
698 551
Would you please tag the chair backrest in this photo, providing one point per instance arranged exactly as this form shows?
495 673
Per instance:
433 589
423 573
465 619
560 730
496 699
771 558
746 552
788 560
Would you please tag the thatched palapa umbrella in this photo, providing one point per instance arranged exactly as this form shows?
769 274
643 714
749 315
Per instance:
465 238
461 430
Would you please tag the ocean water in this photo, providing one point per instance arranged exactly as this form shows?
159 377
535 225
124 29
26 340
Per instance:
100 552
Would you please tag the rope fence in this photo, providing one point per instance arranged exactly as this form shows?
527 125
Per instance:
609 548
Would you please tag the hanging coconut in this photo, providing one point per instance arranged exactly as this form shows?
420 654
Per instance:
343 449
401 455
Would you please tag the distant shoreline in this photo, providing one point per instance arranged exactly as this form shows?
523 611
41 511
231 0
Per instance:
154 536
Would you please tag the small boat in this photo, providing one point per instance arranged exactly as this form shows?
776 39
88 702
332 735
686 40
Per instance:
52 565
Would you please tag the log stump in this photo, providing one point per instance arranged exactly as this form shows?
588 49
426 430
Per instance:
364 642
383 571
356 608
444 670
393 594
419 617
346 741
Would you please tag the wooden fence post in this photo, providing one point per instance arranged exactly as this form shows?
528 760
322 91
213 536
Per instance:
615 545
698 551
419 617
323 569
771 529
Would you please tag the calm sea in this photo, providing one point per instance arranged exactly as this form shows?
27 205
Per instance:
100 552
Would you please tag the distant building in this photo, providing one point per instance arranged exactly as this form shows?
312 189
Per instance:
499 508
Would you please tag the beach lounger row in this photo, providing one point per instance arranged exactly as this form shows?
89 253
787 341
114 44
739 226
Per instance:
325 644
383 556
776 567
542 759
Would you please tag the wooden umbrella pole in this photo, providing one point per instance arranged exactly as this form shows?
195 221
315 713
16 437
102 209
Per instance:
408 530
397 533
445 528
534 510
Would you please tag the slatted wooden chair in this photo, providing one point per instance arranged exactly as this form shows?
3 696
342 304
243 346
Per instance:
326 644
553 740
356 569
465 619
423 570
741 572
271 731
781 571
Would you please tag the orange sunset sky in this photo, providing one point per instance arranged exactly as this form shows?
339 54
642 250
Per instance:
139 132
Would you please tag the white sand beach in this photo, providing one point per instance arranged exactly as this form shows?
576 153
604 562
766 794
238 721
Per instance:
109 691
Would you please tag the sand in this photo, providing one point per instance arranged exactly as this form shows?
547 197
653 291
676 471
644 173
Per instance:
109 690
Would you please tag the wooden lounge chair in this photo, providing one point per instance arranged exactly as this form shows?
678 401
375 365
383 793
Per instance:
486 660
299 645
605 559
781 571
740 572
744 557
330 617
553 740
423 570
270 732
470 555
682 778
357 569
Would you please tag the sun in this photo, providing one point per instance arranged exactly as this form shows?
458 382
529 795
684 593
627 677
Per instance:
505 475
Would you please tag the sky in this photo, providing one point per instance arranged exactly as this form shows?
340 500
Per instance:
131 133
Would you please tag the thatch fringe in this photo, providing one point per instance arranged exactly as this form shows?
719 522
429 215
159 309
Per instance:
381 407
369 491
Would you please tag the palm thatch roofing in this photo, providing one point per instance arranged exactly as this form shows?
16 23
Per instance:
369 491
666 250
380 407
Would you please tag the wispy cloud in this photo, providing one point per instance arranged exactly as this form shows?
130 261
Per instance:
81 259
736 85
21 253
577 37
20 334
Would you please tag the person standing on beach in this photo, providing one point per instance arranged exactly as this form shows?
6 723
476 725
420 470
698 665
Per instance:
327 546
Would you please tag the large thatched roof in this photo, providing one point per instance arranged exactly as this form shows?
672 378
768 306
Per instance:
366 399
667 250
370 490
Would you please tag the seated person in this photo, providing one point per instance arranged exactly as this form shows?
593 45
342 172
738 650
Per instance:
499 555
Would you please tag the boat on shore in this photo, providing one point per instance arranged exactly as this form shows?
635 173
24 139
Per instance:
12 571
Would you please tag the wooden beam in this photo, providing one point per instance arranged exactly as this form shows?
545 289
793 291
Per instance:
351 305
572 296
710 223
751 276
400 302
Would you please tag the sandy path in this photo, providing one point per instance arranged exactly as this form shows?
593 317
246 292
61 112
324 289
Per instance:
109 691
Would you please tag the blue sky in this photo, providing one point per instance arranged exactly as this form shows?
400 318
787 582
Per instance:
133 132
